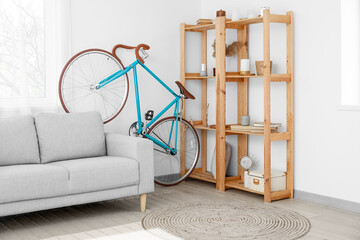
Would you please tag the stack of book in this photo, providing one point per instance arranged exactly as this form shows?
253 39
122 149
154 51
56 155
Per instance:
261 124
258 127
204 21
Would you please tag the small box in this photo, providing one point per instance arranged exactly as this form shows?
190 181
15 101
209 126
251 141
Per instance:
256 180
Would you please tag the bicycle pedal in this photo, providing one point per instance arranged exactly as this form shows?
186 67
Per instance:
149 115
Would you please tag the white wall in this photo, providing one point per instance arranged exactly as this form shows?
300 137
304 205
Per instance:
327 150
105 23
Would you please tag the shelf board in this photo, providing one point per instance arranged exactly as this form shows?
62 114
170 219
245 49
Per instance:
274 18
280 77
234 132
235 182
280 195
233 77
199 28
276 136
243 76
279 136
230 77
237 23
204 127
240 185
274 195
208 177
198 77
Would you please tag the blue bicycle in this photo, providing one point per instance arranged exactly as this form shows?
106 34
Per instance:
96 80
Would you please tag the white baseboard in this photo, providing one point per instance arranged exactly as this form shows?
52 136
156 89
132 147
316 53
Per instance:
327 201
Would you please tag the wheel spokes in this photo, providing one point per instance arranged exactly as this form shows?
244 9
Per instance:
79 80
167 164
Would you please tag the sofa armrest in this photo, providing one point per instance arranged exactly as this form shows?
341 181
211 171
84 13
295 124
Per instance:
140 149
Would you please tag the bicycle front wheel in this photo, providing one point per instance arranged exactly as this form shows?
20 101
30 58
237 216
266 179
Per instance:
172 168
79 78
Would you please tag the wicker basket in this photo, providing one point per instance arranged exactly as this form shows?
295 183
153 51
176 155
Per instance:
260 67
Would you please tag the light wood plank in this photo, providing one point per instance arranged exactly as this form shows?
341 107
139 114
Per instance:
199 28
267 113
200 78
196 170
290 105
183 82
239 23
280 136
280 195
280 77
220 36
242 96
240 185
204 103
203 176
196 76
233 77
197 122
276 18
204 127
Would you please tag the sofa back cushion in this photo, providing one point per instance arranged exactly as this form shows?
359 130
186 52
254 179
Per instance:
70 136
18 141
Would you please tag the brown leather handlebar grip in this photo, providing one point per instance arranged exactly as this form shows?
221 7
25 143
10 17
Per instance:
120 46
145 47
137 48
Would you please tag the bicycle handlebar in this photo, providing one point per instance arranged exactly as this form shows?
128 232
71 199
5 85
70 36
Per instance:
137 48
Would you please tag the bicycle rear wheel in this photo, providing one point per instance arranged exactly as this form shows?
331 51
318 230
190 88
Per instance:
170 168
77 85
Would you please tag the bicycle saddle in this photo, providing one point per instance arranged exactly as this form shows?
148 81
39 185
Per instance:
184 92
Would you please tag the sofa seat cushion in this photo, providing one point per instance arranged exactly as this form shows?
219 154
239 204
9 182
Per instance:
18 141
100 173
70 136
32 181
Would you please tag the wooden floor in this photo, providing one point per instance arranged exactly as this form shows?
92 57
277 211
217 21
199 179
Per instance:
122 219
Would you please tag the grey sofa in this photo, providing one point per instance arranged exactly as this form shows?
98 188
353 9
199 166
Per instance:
57 160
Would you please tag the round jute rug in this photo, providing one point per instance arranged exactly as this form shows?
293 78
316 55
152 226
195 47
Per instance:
221 220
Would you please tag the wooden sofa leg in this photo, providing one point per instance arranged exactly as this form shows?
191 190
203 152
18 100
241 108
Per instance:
143 202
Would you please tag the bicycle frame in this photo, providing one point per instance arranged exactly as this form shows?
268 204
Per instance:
176 101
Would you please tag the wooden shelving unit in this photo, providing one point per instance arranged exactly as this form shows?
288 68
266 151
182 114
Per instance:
242 26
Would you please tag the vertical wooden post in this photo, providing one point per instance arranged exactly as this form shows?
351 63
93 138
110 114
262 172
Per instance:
204 103
290 105
220 102
182 80
242 95
267 115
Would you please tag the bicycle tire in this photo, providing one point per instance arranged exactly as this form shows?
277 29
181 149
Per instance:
70 66
195 141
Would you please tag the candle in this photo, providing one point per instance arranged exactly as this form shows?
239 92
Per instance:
245 66
203 67
203 72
